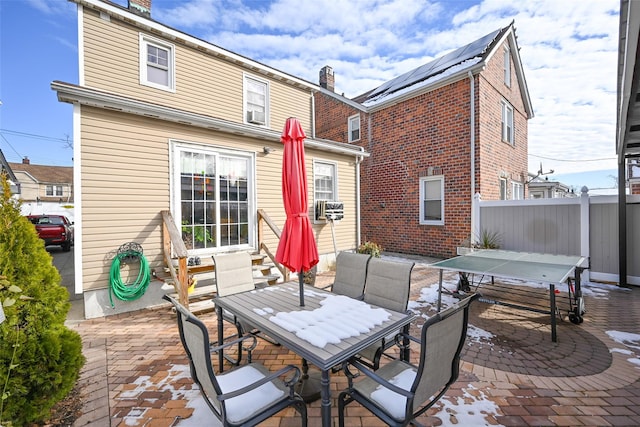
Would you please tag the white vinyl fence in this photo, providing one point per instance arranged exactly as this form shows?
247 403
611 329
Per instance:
585 226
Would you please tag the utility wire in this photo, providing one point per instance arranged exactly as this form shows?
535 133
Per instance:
573 161
32 135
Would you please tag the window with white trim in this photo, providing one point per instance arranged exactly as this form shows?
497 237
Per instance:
507 123
517 190
214 200
354 128
157 63
256 101
503 189
324 182
53 190
507 66
432 200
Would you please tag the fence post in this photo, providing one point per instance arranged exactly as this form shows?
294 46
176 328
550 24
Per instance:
475 218
585 227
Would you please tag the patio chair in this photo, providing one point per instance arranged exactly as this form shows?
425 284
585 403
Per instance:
233 274
351 273
227 394
388 284
399 392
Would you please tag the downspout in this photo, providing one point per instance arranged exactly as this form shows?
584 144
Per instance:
472 106
358 161
313 114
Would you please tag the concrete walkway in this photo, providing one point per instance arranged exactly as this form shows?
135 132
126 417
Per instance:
512 374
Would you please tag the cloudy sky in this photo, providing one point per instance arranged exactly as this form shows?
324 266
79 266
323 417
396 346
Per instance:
568 48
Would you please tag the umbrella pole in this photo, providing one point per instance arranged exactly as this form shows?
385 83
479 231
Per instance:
301 283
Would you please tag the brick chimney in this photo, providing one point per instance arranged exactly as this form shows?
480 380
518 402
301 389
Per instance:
26 161
327 79
140 7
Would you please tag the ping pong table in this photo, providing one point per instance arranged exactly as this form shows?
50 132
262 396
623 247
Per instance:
531 267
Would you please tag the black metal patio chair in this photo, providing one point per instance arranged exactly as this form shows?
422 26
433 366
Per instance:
351 274
399 392
387 285
233 274
244 396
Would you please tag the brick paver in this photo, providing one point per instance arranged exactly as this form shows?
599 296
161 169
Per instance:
584 379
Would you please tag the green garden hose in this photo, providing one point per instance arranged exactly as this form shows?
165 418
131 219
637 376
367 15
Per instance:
128 291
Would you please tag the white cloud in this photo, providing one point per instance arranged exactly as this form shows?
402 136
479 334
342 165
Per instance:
569 52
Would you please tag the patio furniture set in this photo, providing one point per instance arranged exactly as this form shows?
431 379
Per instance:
348 328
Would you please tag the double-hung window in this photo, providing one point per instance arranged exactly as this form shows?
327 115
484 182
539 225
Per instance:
503 189
325 181
517 190
53 190
507 123
214 201
157 63
256 100
432 200
354 128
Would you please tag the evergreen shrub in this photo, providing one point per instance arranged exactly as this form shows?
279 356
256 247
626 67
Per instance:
40 358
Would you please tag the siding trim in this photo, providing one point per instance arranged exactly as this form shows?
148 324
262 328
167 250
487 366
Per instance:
74 94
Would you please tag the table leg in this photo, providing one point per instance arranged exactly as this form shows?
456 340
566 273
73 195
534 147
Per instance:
440 292
325 408
405 354
220 337
552 299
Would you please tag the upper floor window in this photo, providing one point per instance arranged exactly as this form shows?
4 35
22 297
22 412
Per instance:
507 66
354 128
54 190
432 200
507 123
517 190
157 63
256 100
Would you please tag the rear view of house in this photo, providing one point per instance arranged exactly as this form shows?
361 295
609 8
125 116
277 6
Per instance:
438 135
164 121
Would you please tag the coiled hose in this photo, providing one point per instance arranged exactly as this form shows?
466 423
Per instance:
128 291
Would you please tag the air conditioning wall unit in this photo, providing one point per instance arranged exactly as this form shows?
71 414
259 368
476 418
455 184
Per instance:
329 210
256 117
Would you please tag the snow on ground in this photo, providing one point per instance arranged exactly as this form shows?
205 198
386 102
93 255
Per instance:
473 408
632 343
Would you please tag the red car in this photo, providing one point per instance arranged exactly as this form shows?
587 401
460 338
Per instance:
54 230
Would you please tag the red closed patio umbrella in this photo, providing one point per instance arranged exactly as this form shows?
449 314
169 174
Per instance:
297 249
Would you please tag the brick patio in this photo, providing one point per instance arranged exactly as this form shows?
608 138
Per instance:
137 374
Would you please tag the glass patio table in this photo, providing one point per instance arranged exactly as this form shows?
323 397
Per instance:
327 331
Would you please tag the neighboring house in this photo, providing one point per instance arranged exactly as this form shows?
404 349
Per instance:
168 122
6 169
44 184
417 185
540 188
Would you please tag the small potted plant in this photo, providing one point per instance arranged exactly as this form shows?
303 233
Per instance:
370 248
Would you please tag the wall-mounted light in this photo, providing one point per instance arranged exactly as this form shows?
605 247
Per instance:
268 150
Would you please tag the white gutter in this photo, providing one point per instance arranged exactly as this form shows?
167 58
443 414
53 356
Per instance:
472 106
74 94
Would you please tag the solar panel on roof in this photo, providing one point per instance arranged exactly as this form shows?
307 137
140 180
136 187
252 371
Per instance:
436 66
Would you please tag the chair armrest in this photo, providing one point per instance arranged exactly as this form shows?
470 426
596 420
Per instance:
402 336
371 374
327 287
289 383
215 348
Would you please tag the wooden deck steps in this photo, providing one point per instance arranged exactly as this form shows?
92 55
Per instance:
201 298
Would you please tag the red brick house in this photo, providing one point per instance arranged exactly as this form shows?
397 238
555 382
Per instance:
417 184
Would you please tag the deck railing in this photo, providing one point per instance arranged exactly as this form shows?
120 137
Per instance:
263 218
172 238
